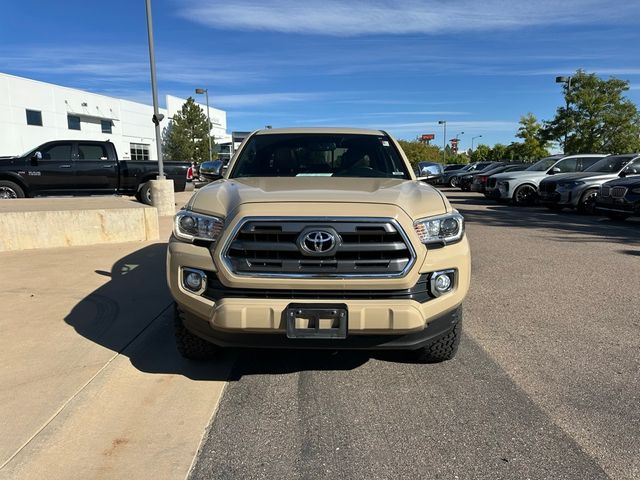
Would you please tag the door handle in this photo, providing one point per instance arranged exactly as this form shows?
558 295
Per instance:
65 166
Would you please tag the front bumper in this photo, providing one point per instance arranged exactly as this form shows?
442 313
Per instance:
478 187
630 204
439 326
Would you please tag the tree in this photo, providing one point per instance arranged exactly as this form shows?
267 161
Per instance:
186 138
481 153
598 119
534 146
498 152
417 151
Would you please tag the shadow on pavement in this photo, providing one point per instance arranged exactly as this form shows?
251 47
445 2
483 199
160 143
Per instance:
132 314
569 225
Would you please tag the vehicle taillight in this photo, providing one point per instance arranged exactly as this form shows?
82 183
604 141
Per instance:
190 173
483 178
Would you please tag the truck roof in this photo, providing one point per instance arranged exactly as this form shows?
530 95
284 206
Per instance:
326 130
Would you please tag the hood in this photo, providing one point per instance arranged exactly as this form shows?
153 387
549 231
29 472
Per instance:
583 176
629 182
416 198
522 174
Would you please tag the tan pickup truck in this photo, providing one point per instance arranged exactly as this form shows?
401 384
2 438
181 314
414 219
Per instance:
319 238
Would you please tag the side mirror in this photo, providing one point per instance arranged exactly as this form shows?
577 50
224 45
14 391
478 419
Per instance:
36 157
211 170
554 170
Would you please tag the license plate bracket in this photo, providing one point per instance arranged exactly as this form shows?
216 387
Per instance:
317 321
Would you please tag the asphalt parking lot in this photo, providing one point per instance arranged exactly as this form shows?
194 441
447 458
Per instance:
546 383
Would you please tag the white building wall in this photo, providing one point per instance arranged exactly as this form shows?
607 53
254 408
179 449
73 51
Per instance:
131 121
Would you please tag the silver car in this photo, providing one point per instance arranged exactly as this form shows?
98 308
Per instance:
579 190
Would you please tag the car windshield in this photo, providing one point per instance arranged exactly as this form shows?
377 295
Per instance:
609 164
327 155
453 167
542 165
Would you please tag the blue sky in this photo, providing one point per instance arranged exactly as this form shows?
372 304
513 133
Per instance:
399 65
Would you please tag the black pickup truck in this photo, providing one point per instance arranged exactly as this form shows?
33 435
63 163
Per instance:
83 167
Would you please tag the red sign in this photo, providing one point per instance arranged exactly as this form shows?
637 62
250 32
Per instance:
427 136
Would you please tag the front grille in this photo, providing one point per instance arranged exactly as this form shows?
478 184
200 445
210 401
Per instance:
605 191
548 187
270 247
618 192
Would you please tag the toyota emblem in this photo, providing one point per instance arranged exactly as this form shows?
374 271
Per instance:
318 242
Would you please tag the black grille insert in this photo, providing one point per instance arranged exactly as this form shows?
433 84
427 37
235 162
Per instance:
366 248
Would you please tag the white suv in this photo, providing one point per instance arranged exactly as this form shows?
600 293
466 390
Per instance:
522 187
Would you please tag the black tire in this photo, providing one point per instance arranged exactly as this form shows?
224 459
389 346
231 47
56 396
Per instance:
144 194
524 195
10 190
443 348
189 345
453 182
587 203
617 215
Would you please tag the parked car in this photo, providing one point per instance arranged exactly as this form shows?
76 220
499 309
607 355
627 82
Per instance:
430 172
522 187
449 171
454 178
620 198
480 181
579 190
454 166
322 235
465 181
82 167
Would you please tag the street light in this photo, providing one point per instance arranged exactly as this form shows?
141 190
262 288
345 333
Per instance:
444 139
472 139
567 82
157 117
200 91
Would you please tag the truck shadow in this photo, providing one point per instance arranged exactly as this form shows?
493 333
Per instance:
132 315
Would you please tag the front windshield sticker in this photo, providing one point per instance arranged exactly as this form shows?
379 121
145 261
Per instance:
385 143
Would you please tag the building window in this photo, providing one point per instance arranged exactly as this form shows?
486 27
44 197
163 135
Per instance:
139 151
106 126
73 122
34 117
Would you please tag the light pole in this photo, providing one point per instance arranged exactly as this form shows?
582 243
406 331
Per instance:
567 82
162 189
472 139
444 140
200 91
457 143
157 117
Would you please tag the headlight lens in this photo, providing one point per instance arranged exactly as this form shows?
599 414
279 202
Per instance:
190 226
636 191
442 229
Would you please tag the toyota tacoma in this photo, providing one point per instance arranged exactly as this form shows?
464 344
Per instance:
319 238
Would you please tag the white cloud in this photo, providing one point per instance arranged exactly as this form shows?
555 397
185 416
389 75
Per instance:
259 99
472 126
368 17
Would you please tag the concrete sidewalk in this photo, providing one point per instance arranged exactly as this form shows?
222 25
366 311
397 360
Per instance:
91 385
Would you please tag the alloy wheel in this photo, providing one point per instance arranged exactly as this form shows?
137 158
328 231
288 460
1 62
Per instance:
6 192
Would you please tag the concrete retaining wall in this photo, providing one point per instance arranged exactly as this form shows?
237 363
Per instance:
62 222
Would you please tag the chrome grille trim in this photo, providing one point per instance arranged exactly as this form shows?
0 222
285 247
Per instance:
331 222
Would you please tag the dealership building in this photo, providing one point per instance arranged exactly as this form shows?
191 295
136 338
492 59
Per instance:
34 112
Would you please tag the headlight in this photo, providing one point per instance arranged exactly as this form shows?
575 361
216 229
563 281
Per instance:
570 185
443 229
636 191
192 226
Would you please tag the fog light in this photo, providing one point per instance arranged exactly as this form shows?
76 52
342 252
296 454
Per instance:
194 280
442 282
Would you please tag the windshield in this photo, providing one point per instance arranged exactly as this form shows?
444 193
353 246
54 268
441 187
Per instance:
326 155
609 164
542 165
